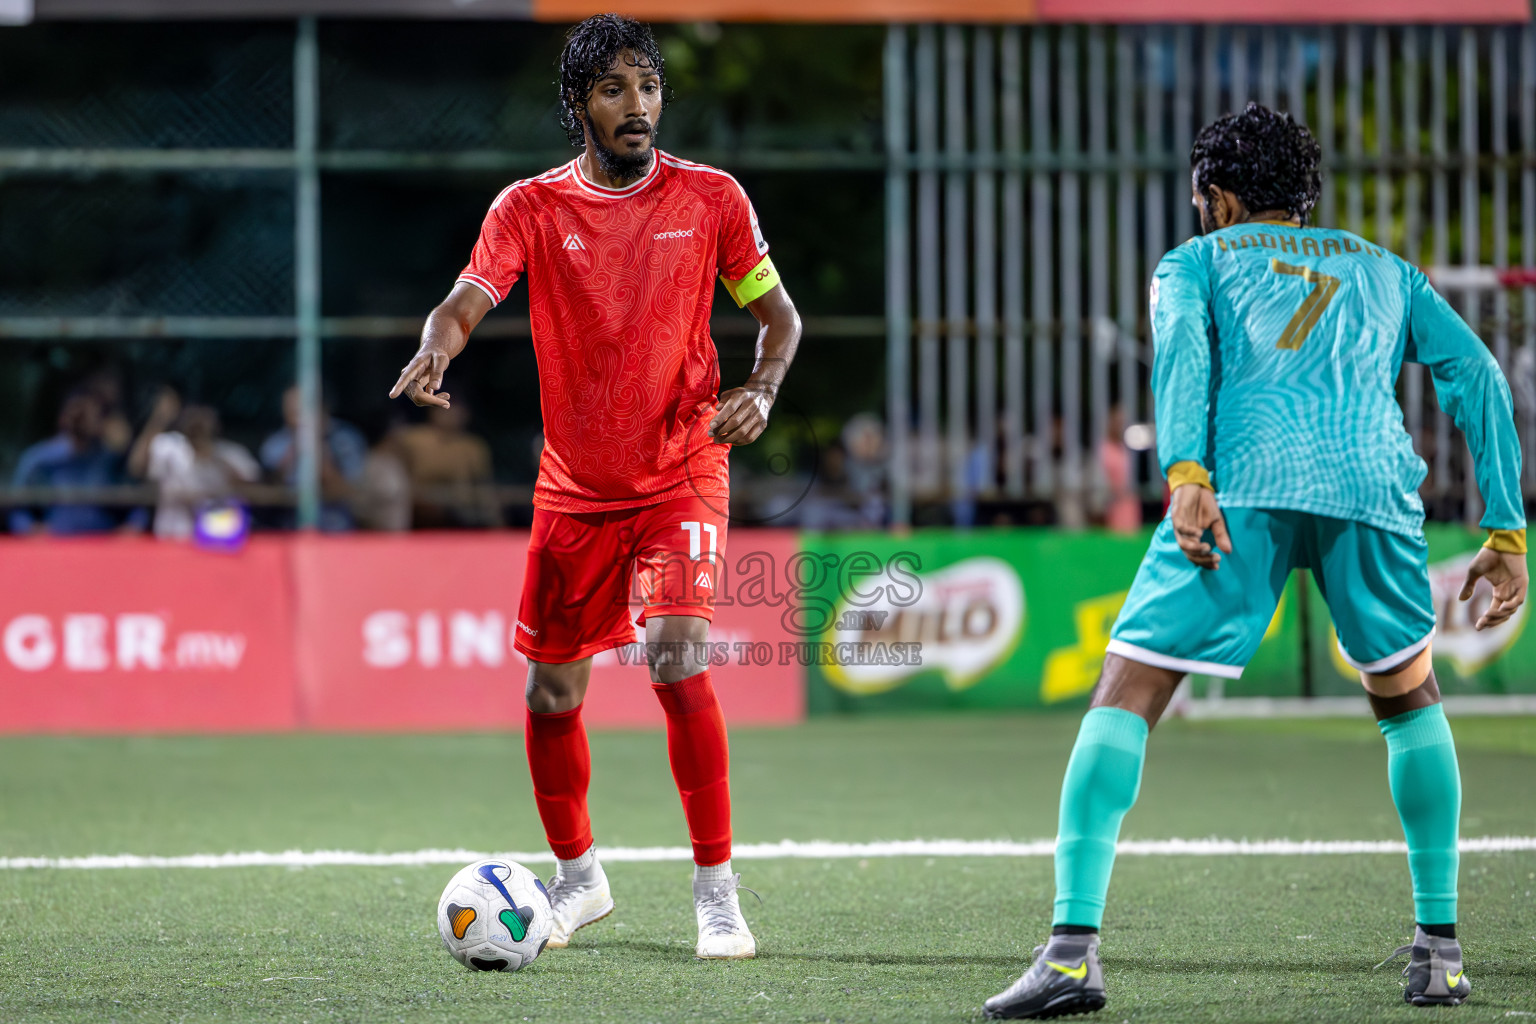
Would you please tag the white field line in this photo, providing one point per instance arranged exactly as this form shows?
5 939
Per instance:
1346 707
787 848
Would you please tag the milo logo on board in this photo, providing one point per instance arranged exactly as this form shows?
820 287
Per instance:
1456 635
966 619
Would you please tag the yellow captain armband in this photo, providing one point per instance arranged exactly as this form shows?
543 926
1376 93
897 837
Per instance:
1511 542
1181 473
759 281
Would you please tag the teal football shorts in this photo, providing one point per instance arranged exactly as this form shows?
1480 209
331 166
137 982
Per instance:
1183 617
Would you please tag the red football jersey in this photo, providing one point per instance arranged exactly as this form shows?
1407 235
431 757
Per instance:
620 285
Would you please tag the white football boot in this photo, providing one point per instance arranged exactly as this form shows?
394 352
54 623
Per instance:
723 932
577 903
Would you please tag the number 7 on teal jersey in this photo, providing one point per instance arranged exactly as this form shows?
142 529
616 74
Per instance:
1311 308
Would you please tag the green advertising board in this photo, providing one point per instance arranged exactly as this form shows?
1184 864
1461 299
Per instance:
1019 618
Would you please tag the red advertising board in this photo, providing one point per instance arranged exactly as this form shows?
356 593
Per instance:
357 632
134 635
402 631
416 633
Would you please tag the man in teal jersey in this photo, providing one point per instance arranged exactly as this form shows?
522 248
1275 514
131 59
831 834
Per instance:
1277 349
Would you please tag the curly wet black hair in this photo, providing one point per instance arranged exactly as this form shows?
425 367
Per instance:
591 48
1263 157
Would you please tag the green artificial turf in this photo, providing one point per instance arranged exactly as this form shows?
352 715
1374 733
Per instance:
905 939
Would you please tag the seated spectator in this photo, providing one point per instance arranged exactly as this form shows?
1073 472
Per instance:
1122 513
382 498
116 430
864 441
193 465
75 457
441 453
343 453
831 503
849 490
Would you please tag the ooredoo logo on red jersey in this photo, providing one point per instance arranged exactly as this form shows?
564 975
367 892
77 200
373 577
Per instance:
662 236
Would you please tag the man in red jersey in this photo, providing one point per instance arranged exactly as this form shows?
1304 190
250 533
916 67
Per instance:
621 248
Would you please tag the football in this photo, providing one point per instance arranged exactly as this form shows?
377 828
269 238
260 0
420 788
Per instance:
494 916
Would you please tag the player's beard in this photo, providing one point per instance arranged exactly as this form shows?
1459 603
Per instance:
621 166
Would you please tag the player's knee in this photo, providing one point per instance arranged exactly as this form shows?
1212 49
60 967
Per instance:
676 647
672 662
1135 686
1400 679
554 688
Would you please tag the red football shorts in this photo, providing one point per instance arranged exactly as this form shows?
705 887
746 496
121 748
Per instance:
586 570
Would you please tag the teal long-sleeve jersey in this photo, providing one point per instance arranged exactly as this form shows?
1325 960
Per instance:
1276 353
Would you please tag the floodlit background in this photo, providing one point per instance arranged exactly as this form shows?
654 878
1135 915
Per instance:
224 221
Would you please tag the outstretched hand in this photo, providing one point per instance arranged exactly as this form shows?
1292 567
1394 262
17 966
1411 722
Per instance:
1507 573
1193 511
421 378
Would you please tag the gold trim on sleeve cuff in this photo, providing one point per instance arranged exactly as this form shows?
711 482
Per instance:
1181 473
1511 542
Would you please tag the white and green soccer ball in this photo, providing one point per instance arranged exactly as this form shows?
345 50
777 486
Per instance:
495 916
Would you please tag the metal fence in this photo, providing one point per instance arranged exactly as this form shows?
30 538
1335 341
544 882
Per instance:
1034 178
194 206
1037 175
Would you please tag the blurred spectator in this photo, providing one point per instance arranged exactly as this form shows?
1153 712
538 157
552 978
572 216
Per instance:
831 504
116 431
75 457
192 464
864 443
381 500
536 452
849 490
441 453
1122 513
1071 504
343 452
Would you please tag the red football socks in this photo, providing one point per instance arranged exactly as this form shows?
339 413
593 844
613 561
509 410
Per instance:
561 763
700 756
